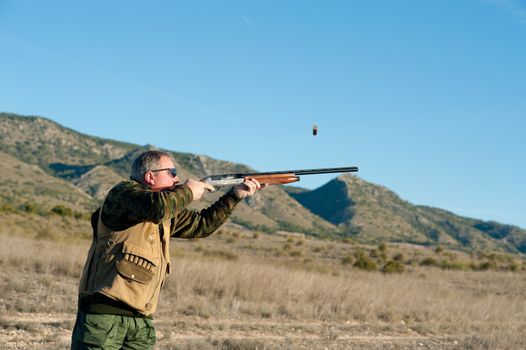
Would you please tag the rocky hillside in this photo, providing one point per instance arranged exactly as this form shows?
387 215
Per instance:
92 165
373 213
59 166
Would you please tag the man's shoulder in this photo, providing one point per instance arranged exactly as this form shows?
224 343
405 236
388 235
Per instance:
121 201
126 186
122 193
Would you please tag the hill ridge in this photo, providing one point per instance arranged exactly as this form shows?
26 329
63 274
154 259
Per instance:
346 206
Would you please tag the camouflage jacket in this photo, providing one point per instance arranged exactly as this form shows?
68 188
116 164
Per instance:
129 259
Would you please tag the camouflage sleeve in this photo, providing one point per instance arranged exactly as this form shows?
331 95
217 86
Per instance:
130 203
194 224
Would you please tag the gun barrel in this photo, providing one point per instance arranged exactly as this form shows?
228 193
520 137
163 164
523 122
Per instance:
309 171
326 170
292 172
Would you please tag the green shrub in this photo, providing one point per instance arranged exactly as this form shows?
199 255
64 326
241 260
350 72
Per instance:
317 249
62 210
487 265
393 266
430 262
223 255
375 253
295 253
454 265
364 262
513 266
347 260
8 208
29 207
399 257
348 240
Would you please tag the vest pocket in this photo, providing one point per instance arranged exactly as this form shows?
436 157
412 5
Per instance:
137 264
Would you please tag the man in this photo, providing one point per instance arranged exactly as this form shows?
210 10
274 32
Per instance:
129 256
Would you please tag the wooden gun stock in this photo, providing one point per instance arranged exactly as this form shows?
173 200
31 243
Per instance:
278 179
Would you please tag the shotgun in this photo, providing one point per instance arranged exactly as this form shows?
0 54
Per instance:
271 177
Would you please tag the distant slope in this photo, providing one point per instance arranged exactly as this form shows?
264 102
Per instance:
24 184
42 142
92 165
48 164
372 213
98 181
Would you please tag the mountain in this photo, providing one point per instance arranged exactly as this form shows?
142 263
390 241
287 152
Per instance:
60 166
372 213
23 184
92 165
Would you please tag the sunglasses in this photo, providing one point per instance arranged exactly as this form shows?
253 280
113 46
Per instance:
173 171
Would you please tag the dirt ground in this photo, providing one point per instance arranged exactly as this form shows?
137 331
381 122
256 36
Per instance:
53 331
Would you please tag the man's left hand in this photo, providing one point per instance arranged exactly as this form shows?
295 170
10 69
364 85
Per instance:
247 188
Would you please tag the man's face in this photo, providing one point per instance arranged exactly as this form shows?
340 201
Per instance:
162 179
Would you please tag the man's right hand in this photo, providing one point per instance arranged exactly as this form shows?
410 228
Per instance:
198 188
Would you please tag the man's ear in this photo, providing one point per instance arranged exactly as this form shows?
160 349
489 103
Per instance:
148 178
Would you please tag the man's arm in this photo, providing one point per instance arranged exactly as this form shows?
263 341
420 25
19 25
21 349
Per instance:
198 224
130 203
193 224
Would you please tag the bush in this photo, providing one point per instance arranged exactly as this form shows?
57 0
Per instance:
363 262
62 210
430 262
295 253
219 254
393 266
348 240
8 208
347 260
79 215
375 253
454 265
487 265
399 257
512 267
29 207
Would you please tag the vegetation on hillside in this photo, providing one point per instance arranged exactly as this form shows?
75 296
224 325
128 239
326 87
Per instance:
76 170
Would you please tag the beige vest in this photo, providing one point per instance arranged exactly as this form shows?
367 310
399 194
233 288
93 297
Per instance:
129 266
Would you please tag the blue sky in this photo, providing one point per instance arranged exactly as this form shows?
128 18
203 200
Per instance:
428 98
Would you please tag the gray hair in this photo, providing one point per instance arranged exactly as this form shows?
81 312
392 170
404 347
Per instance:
145 162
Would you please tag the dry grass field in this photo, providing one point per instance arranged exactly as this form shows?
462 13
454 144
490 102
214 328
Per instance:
244 290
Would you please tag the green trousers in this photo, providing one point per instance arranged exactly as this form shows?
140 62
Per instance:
112 332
